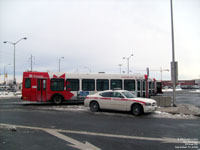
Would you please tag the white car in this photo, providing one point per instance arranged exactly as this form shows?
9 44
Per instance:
120 100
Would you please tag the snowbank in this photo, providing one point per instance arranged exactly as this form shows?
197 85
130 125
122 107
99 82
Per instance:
9 94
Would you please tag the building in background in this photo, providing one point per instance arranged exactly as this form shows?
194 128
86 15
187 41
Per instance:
184 84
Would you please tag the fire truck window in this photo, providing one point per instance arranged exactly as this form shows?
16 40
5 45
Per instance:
102 84
57 84
129 85
116 84
28 83
73 84
88 85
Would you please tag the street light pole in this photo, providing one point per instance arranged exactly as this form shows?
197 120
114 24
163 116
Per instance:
14 43
59 63
5 73
173 57
128 62
120 68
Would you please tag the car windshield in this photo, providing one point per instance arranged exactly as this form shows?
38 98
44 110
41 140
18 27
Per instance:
128 95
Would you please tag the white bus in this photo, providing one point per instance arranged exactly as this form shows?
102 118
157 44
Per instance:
82 85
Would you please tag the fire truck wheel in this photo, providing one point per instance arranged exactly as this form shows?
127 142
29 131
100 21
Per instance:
57 99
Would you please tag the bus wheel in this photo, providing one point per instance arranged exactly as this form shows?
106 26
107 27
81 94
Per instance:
94 106
137 110
57 99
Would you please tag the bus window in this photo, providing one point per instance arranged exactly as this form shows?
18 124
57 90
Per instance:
88 85
153 85
144 85
150 85
73 84
129 85
102 84
57 84
44 84
27 83
116 84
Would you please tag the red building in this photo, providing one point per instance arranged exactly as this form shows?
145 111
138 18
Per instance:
180 82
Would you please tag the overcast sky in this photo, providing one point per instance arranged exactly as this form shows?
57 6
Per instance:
96 34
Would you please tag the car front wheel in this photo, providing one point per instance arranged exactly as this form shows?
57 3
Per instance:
94 106
137 110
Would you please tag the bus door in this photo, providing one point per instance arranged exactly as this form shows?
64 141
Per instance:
143 88
150 88
41 90
139 88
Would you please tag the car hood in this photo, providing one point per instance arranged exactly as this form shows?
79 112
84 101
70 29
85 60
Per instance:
146 100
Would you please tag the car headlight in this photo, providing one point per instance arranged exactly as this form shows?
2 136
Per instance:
148 104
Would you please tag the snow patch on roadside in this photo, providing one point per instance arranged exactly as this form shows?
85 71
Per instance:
195 91
159 114
10 94
170 90
65 108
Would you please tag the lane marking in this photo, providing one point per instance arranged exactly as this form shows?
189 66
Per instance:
161 139
75 143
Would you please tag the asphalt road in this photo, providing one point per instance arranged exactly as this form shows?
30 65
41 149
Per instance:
28 126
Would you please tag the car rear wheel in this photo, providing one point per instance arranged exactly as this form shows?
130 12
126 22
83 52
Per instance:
137 110
94 106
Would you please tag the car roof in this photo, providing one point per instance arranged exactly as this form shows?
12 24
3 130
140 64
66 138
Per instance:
113 91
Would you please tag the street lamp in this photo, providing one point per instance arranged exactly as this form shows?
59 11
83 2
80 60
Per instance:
128 62
14 43
173 64
59 62
120 68
5 73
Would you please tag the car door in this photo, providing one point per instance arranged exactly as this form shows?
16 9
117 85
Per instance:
118 101
105 100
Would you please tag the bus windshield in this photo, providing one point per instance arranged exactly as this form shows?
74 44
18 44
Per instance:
128 95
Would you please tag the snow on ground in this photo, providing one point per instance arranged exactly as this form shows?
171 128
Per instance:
170 90
66 108
159 114
196 91
81 108
5 94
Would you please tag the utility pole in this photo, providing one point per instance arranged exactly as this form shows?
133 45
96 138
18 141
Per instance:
14 44
59 63
127 58
173 63
120 68
31 62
